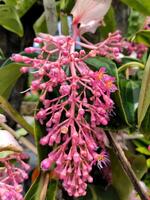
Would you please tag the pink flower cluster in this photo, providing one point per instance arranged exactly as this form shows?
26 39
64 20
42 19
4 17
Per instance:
12 176
129 48
76 101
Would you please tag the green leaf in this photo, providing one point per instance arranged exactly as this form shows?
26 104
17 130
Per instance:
144 98
64 23
4 104
23 6
142 6
52 190
142 37
120 118
39 132
110 23
130 94
66 5
34 192
9 19
135 22
120 181
148 163
40 25
1 54
9 74
145 125
143 150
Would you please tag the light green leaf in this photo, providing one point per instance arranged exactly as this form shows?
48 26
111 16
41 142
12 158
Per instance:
9 19
148 163
142 37
40 25
142 6
143 150
144 98
23 6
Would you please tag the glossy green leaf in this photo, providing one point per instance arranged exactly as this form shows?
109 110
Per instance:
110 23
9 74
130 94
144 98
4 104
142 37
142 6
9 19
120 118
40 25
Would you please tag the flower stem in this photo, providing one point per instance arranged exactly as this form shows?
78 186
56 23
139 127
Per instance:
129 65
126 166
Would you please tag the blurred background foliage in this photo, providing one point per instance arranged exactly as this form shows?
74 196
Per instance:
21 20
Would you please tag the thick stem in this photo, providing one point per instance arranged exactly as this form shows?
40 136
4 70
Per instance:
126 166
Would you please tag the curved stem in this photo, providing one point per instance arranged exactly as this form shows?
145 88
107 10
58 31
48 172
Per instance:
126 166
129 65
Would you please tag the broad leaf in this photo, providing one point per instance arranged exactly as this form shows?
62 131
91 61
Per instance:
9 74
143 150
130 94
144 98
9 19
142 6
24 5
142 37
120 118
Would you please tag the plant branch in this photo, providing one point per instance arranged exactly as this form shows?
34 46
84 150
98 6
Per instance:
130 65
22 140
45 186
126 166
5 105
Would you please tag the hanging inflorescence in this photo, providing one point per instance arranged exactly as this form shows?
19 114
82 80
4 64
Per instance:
76 101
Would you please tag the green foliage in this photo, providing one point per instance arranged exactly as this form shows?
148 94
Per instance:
9 74
40 25
143 37
144 100
110 23
35 191
9 19
135 22
139 5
